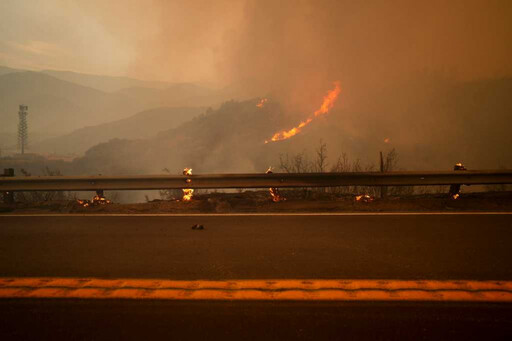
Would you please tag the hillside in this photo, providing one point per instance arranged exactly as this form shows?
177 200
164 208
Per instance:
435 123
142 125
432 125
220 140
5 70
454 122
58 107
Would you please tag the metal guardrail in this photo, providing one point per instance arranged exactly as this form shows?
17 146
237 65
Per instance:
153 182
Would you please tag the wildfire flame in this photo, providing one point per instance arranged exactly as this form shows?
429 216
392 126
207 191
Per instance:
327 104
364 198
187 192
274 192
96 201
262 102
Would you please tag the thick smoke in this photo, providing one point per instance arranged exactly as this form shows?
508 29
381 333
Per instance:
295 49
409 70
176 41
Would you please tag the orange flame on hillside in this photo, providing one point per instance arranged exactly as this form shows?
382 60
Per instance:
327 104
262 103
187 192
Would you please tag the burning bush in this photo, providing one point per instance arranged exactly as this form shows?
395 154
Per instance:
274 192
365 198
98 200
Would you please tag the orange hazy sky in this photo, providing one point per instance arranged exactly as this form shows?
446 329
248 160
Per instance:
259 41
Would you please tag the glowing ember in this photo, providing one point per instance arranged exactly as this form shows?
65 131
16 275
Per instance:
274 192
262 103
364 198
327 104
84 203
96 201
187 192
456 196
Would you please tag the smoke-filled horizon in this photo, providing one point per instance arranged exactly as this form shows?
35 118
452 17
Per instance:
296 49
263 45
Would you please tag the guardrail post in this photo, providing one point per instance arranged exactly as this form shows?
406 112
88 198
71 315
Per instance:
455 189
8 196
383 189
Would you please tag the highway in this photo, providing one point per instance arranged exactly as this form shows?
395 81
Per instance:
258 247
382 248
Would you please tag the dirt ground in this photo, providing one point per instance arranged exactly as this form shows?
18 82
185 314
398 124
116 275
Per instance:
260 202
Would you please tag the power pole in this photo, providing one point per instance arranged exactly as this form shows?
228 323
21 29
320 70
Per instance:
23 128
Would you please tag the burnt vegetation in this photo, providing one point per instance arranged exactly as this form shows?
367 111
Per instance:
42 196
303 162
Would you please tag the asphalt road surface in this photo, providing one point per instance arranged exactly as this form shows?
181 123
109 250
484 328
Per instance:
259 247
393 247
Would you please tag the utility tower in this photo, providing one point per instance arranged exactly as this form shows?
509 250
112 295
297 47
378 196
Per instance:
23 128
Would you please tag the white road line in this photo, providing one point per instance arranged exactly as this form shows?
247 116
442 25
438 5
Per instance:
254 214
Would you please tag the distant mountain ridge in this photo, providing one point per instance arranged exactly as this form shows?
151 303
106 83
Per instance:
142 125
5 70
104 83
101 82
58 107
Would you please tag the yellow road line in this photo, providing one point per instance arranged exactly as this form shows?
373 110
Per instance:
321 290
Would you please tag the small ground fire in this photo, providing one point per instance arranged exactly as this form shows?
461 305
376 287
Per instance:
98 199
364 198
274 192
188 193
455 189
